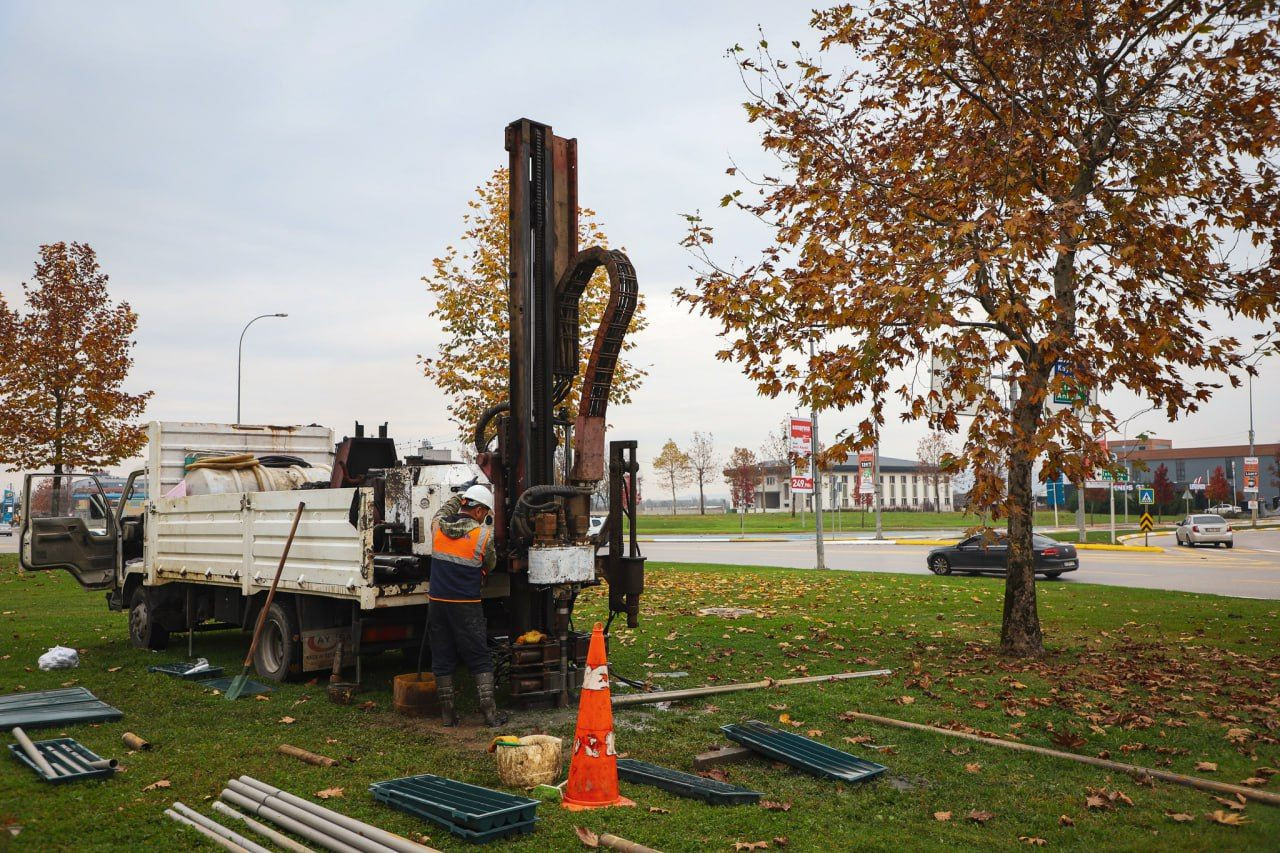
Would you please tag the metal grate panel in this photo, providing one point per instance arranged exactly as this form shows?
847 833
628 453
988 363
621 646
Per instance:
802 753
685 784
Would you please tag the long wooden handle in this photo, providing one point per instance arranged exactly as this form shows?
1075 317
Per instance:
284 555
1106 764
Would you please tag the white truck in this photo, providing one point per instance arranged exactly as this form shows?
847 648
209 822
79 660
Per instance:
357 572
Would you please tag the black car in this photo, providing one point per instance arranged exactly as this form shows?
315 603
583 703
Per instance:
976 554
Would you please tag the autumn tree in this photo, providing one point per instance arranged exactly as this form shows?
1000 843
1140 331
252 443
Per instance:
777 448
703 461
468 284
742 473
1218 490
65 360
672 467
934 452
1164 493
1016 187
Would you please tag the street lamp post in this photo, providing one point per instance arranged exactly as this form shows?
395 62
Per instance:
240 357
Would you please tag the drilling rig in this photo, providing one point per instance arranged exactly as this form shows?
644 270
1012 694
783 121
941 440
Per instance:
204 548
542 519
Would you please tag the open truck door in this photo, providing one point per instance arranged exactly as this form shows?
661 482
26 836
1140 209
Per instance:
68 523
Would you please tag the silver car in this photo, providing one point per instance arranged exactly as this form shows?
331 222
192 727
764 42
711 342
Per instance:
1204 530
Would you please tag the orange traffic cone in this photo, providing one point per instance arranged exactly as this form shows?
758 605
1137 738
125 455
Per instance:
593 768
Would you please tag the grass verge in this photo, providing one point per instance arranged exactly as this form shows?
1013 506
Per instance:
1161 679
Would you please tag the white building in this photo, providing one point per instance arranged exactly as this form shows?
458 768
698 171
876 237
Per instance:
905 484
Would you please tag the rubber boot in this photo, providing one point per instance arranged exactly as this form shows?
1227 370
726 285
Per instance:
444 695
484 689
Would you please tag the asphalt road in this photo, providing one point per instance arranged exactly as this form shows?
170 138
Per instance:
1249 570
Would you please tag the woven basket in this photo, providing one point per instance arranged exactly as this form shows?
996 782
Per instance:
536 761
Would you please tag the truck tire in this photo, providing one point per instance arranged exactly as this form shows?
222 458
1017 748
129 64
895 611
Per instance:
145 630
279 652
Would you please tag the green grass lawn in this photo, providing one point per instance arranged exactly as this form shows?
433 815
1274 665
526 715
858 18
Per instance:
782 522
1157 679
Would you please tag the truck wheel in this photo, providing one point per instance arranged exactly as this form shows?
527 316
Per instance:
145 630
279 651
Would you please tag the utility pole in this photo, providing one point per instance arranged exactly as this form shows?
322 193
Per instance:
1257 493
815 471
875 484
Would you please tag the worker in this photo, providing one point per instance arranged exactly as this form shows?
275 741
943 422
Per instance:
462 553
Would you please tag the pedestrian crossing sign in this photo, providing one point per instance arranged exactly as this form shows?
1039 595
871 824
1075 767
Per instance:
1146 522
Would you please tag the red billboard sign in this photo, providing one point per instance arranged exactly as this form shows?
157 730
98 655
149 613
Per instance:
801 436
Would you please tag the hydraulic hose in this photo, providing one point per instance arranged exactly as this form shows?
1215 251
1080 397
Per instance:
482 443
518 531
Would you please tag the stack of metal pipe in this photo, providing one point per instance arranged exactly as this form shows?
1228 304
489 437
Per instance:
321 826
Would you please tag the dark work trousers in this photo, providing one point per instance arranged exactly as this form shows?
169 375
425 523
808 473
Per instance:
457 631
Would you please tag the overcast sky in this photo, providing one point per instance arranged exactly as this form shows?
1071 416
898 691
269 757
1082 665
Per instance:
227 160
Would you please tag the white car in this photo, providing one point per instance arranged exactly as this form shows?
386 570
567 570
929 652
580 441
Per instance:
1224 509
6 529
1202 529
597 524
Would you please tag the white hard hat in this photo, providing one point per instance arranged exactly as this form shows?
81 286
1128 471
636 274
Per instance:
479 494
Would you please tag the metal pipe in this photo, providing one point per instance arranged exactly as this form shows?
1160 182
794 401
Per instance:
213 826
283 821
694 692
373 833
212 836
134 742
279 838
34 754
352 839
72 759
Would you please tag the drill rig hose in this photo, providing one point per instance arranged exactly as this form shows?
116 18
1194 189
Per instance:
519 531
482 443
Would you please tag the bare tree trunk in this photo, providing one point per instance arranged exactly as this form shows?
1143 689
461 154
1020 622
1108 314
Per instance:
1020 633
702 503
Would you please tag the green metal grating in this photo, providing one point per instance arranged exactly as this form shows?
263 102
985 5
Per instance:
183 671
55 752
802 753
54 708
468 811
685 784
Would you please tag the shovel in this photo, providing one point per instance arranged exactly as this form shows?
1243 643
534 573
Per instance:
238 683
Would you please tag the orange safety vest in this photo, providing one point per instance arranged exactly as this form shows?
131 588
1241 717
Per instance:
457 565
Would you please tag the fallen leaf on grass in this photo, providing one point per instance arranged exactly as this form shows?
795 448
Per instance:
656 810
1093 801
714 773
1254 781
858 739
942 816
1068 739
1032 840
162 783
781 840
772 806
750 845
905 700
1228 818
1238 735
1237 804
818 733
1180 817
1207 766
287 720
327 793
260 697
331 740
786 719
114 668
777 707
960 750
1065 820
975 767
367 706
1267 771
979 816
587 837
